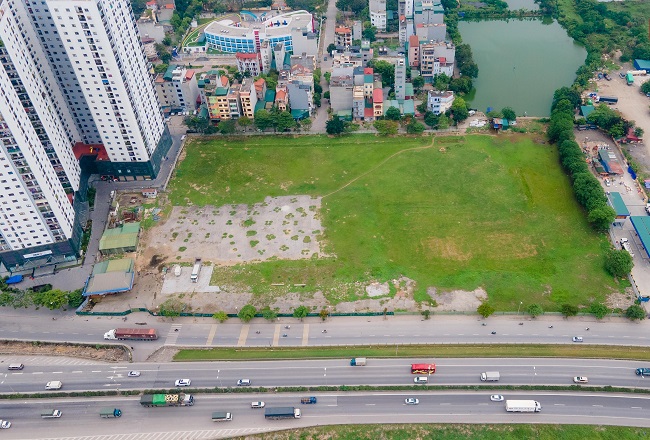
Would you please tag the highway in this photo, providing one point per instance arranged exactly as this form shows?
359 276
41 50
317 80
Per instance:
81 419
517 371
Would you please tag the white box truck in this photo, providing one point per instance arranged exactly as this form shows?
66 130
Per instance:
196 270
490 376
523 406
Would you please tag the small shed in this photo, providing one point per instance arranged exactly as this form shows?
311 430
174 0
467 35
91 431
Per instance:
150 193
586 110
120 240
616 201
112 276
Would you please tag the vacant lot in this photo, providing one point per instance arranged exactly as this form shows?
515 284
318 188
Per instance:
449 213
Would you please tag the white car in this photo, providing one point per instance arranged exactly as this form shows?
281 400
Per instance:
257 404
577 339
580 379
496 398
243 382
183 382
134 374
411 401
5 424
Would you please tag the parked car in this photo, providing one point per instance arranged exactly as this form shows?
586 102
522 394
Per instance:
622 75
577 339
243 382
183 383
133 374
257 404
496 398
580 379
411 401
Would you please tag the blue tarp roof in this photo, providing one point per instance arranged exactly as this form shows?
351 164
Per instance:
14 279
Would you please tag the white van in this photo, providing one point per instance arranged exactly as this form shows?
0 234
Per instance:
16 367
54 385
421 379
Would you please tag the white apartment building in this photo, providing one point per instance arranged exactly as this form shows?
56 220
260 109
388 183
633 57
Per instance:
177 88
439 102
400 79
377 9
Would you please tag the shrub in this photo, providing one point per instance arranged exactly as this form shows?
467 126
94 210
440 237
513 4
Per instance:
535 310
247 313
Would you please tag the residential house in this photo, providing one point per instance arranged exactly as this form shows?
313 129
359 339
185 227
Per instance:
378 102
400 79
436 58
308 61
357 30
266 56
281 99
234 102
341 88
428 12
304 41
149 47
213 88
248 97
431 32
439 102
301 99
249 62
368 82
343 36
279 53
377 9
358 103
177 89
414 51
302 74
260 89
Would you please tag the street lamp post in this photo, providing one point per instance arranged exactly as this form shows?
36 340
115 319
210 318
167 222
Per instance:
519 308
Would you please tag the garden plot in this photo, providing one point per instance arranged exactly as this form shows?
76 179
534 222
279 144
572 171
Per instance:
285 227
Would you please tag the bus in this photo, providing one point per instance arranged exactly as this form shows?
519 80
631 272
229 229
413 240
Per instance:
423 368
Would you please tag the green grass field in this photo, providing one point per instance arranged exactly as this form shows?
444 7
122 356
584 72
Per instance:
457 432
454 213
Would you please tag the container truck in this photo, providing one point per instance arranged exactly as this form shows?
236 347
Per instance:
180 399
608 99
133 334
523 406
219 416
308 400
110 413
358 362
51 414
285 412
490 376
194 277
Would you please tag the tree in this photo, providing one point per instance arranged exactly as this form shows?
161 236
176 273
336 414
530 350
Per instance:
431 119
386 128
171 307
263 119
328 76
635 312
220 316
645 87
369 33
386 70
415 127
167 41
247 313
485 310
331 48
163 53
426 313
509 113
306 123
393 114
76 298
601 217
599 310
443 121
244 122
418 82
283 121
324 313
335 126
441 81
462 85
227 126
326 95
422 107
459 109
268 314
354 6
160 68
465 61
618 262
568 310
535 310
300 312
52 299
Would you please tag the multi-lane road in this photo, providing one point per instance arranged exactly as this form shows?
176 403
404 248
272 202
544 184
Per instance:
311 373
81 419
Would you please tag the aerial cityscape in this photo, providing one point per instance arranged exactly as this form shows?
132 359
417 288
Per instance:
342 219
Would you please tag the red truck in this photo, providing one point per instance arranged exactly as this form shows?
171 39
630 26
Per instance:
134 334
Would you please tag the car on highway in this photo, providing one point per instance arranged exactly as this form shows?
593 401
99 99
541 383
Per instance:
183 383
411 401
134 374
5 424
257 404
421 379
54 385
243 382
496 398
580 379
577 339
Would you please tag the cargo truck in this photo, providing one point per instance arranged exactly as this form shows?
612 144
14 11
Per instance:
308 400
608 99
110 413
523 406
630 78
51 414
196 270
490 376
180 399
285 412
219 416
132 334
358 362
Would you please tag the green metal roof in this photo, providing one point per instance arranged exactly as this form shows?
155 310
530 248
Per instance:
120 265
125 236
168 73
221 91
642 64
586 110
618 204
641 225
408 89
259 105
269 96
299 114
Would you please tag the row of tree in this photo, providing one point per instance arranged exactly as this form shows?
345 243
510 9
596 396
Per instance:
599 310
248 312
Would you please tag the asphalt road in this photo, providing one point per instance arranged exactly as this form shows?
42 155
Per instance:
81 419
317 372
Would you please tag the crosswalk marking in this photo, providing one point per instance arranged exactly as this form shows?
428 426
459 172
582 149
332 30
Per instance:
172 336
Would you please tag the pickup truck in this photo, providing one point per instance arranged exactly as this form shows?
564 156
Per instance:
51 414
308 400
110 413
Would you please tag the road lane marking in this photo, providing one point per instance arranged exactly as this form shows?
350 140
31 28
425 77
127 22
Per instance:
443 404
243 335
57 372
305 335
37 372
636 407
78 371
213 331
370 404
597 406
558 404
96 371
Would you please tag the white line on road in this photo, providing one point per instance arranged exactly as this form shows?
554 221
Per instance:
445 404
78 371
57 372
37 372
598 406
558 404
636 407
96 371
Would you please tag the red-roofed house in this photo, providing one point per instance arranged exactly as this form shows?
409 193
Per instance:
281 100
343 36
260 89
249 62
378 102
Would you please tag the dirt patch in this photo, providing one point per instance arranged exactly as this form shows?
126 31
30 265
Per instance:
617 300
117 354
446 248
457 300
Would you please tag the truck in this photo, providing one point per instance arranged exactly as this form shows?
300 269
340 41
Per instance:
177 270
642 371
110 413
608 99
630 78
284 412
54 385
196 270
220 416
132 334
51 414
177 399
358 362
637 72
523 406
308 400
490 376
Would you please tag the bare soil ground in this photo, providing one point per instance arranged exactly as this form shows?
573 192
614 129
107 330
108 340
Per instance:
116 354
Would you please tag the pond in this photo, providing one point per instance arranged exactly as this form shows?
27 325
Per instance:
521 63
